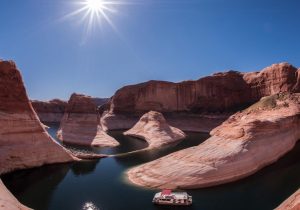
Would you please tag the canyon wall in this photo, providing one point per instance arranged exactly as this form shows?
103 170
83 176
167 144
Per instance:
24 143
52 111
210 99
80 124
49 111
242 145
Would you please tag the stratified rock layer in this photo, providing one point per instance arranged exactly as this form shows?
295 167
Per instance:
8 201
292 203
155 130
243 144
50 111
212 95
81 124
24 143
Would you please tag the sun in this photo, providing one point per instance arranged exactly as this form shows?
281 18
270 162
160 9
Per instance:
95 5
95 12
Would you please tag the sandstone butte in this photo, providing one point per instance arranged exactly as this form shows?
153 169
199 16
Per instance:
24 143
49 111
292 203
52 111
81 124
199 105
155 130
242 145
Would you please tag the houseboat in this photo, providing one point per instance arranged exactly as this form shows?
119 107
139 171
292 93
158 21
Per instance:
167 197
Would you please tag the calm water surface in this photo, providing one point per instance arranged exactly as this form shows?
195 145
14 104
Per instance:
100 184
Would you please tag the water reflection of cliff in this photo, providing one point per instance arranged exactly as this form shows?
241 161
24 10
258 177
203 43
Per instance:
41 182
84 168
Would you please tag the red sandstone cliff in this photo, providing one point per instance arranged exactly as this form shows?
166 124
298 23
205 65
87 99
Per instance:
219 93
23 141
81 124
242 145
49 111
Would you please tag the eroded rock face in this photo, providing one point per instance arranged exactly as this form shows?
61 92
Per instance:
50 111
8 201
81 124
243 144
212 95
272 80
24 143
155 130
292 203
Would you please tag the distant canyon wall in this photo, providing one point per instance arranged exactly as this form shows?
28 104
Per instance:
202 104
52 111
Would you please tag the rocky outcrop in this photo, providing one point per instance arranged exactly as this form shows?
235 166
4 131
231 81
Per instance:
8 201
292 203
243 144
221 93
272 80
81 124
24 143
50 111
155 130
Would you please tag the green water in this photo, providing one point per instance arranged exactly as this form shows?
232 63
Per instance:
100 184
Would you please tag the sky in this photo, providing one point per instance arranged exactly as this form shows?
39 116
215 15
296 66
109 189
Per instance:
172 40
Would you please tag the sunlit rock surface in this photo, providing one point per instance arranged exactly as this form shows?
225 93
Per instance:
24 143
155 130
243 144
292 203
81 124
8 201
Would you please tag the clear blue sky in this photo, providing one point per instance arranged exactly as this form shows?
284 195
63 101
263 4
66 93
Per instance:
157 39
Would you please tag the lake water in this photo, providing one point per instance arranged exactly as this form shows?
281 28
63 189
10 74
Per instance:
100 184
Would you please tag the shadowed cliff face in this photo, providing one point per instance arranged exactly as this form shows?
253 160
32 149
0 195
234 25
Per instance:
214 93
217 93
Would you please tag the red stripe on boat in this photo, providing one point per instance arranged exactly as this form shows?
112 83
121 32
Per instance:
166 192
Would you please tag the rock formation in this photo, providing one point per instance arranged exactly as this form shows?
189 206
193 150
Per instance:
155 130
50 111
8 201
292 203
24 143
204 99
243 144
81 124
